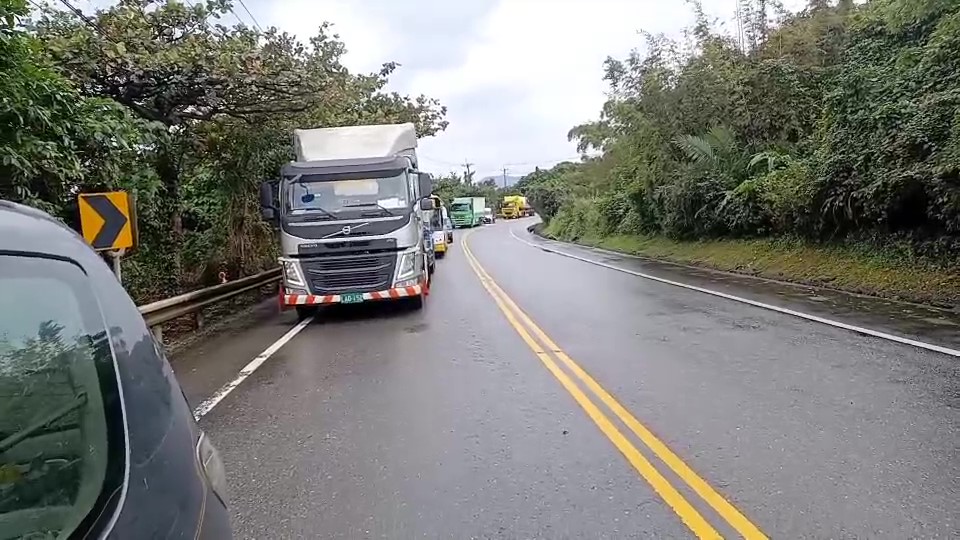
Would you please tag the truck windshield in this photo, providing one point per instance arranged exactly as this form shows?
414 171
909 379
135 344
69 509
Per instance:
460 207
311 193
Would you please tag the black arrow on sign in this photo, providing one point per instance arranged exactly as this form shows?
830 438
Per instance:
113 221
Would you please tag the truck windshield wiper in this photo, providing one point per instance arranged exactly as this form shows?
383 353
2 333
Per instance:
361 205
323 211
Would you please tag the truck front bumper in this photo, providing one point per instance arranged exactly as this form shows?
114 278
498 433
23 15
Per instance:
389 294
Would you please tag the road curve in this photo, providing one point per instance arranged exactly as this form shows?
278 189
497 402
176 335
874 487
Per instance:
541 396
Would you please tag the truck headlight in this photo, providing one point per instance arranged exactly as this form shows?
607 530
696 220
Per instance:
408 265
291 273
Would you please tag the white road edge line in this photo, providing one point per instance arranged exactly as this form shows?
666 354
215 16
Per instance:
807 316
211 402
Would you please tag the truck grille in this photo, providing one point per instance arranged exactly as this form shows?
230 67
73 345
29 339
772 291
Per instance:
351 273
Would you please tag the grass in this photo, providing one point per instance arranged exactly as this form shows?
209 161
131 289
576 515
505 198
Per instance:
855 268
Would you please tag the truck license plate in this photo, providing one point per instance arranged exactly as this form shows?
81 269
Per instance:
351 298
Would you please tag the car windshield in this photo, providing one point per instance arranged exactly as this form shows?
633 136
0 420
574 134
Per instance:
55 363
310 193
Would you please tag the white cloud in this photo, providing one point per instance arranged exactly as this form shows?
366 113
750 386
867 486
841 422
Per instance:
515 74
367 38
528 70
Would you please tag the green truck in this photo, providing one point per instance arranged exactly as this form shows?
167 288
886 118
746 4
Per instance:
467 211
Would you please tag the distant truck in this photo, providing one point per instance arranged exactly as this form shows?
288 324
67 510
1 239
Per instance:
467 211
353 215
515 206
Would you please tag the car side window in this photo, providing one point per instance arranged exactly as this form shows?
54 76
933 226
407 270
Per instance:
61 426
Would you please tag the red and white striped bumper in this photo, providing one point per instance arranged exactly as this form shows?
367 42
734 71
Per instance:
313 300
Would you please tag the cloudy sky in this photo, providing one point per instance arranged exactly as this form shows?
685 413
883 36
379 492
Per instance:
516 75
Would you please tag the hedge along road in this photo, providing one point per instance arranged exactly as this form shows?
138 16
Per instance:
538 395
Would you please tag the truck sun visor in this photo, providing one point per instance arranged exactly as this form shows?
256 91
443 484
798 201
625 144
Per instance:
355 187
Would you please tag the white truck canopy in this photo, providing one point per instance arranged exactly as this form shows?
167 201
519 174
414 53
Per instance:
355 142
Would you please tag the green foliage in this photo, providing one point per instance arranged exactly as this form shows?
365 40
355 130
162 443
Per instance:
53 142
547 190
579 220
842 119
162 99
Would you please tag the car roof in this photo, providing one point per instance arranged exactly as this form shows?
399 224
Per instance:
27 229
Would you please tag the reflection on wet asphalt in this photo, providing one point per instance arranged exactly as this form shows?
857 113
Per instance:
379 421
940 326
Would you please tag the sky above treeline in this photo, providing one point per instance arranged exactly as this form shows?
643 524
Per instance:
516 75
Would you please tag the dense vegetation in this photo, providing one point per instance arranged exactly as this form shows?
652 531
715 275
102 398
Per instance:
161 99
840 123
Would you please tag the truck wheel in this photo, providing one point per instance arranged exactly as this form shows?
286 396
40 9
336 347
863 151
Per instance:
305 311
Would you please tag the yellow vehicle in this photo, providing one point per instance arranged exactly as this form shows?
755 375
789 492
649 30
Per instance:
441 227
514 206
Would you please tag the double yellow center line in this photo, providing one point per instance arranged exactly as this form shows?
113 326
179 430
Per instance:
547 351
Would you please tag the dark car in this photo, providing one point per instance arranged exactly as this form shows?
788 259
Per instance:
96 437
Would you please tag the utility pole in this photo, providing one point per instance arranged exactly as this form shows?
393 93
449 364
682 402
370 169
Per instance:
467 177
740 28
504 177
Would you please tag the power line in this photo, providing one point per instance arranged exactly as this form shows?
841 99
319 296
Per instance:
235 16
440 161
252 18
38 6
83 17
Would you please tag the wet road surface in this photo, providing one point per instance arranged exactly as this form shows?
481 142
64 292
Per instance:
541 396
939 326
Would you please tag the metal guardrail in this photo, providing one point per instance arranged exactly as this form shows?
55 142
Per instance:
165 310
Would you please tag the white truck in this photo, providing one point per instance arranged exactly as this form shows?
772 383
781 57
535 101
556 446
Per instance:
351 213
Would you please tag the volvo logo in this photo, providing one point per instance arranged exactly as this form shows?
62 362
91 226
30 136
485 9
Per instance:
346 230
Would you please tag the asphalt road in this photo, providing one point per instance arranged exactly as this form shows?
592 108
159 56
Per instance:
542 396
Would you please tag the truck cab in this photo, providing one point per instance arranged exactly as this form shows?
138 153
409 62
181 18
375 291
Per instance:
512 207
353 218
467 211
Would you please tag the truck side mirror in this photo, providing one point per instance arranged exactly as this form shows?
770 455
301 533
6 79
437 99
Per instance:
426 184
268 203
427 204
